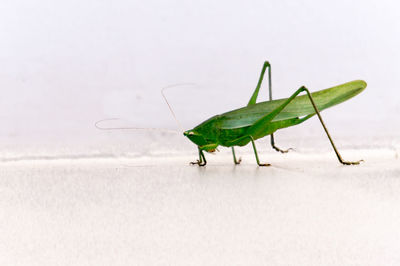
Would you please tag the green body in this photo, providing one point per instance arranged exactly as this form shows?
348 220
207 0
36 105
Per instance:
257 120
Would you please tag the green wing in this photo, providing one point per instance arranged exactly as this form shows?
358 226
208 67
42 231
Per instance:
299 107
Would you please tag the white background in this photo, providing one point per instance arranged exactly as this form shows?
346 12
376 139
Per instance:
66 64
71 194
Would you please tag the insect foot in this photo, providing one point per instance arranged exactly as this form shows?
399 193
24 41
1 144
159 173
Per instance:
198 162
238 161
352 163
264 164
282 151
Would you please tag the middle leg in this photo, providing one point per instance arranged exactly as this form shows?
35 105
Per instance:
255 153
234 157
243 141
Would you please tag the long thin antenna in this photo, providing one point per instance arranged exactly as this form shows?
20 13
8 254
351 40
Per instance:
169 106
129 128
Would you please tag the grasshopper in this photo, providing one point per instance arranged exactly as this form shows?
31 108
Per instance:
257 120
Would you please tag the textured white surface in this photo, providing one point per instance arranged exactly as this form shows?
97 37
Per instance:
303 210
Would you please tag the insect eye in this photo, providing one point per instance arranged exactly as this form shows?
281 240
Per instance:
191 133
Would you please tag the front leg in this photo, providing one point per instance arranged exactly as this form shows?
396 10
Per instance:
202 159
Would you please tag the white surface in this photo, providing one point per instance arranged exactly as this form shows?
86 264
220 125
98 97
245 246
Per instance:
66 64
303 210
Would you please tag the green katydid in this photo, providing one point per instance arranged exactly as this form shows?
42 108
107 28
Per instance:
257 120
